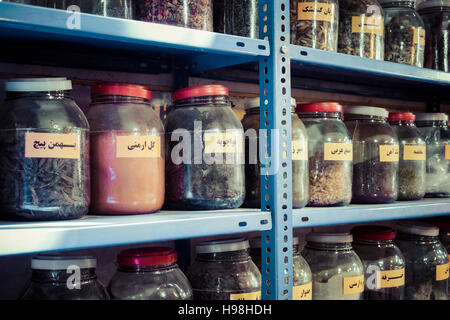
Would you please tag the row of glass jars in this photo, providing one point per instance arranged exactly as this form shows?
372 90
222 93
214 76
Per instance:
332 266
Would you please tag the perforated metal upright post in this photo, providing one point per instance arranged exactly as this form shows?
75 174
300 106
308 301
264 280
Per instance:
276 165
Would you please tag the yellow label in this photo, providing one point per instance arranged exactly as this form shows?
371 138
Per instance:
337 151
138 147
414 152
447 151
315 11
303 292
442 272
353 285
419 36
389 153
299 150
246 296
52 145
223 142
391 278
370 25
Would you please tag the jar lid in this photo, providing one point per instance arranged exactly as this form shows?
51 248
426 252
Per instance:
226 245
62 262
121 89
38 84
256 242
433 4
374 233
255 103
329 237
200 91
148 256
367 111
319 107
398 116
418 228
423 116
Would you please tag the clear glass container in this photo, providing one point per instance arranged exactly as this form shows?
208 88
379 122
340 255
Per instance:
426 261
77 5
302 283
300 176
361 28
338 273
127 150
44 152
66 277
236 17
314 23
433 127
113 8
383 262
41 3
329 154
224 270
404 40
436 16
194 14
149 273
204 151
444 237
375 155
412 157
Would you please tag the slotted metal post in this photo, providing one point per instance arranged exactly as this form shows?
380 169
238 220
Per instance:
276 165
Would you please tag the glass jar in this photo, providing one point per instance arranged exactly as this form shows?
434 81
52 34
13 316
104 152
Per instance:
195 14
113 8
330 154
44 152
224 270
412 157
127 150
300 176
65 277
361 28
433 127
149 274
205 170
444 237
236 17
338 273
41 3
426 261
383 262
436 16
404 40
77 5
314 23
302 283
375 155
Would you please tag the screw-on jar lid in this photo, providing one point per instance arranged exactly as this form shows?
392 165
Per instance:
200 91
121 89
38 84
373 233
226 245
319 107
367 111
62 262
423 116
255 103
433 4
329 237
149 256
418 228
256 242
401 116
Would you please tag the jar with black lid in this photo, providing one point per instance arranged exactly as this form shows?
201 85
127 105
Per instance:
384 264
204 151
224 270
65 277
149 274
427 268
375 155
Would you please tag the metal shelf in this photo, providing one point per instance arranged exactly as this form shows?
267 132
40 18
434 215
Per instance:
316 217
98 231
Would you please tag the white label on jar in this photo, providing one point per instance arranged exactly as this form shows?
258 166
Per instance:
389 153
316 11
391 278
303 292
447 151
299 150
246 296
337 151
223 142
138 147
414 152
442 272
353 285
419 36
52 145
370 25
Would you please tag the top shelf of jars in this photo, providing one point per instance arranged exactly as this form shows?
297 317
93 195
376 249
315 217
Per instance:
74 39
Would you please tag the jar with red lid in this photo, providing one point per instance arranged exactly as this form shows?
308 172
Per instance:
384 264
330 154
127 150
412 157
204 153
149 273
